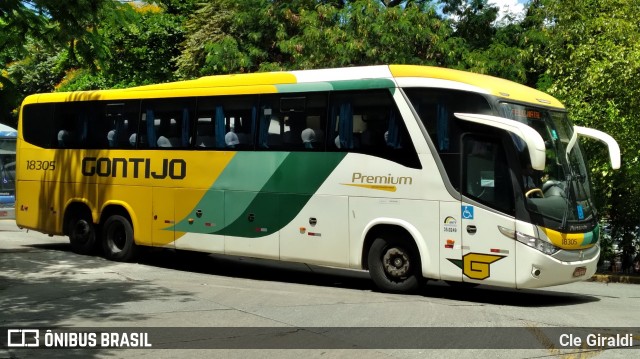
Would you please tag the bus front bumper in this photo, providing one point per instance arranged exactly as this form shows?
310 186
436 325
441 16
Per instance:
543 271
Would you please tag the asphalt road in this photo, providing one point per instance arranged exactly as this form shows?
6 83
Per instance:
44 285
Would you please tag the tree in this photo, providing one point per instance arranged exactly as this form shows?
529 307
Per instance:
144 50
46 27
228 36
593 62
473 20
368 33
53 23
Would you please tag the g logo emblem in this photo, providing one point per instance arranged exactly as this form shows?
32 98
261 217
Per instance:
476 265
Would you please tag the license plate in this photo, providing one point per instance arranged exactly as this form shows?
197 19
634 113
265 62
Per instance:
580 271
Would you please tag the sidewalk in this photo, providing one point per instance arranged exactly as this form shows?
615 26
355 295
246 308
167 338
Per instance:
616 278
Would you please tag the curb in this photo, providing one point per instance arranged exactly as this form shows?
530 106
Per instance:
615 278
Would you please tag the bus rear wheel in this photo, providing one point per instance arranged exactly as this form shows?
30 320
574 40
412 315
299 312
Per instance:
117 239
394 265
82 234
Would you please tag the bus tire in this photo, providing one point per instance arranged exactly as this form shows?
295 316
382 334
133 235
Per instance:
117 239
394 265
82 234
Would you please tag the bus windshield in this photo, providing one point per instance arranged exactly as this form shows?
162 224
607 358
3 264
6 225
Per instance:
561 192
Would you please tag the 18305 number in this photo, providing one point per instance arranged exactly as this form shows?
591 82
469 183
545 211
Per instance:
41 165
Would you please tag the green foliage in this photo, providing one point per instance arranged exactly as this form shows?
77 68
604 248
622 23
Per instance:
143 50
81 80
473 20
40 38
54 23
228 36
40 72
366 33
593 61
178 7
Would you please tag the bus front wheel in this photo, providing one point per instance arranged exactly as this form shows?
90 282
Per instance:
394 265
82 234
117 239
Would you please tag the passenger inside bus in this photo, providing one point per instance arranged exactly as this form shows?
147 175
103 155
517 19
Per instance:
111 137
231 139
163 142
308 137
63 139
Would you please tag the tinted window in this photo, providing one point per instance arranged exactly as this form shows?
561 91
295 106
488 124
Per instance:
37 124
369 122
436 109
121 124
485 176
292 122
226 122
166 123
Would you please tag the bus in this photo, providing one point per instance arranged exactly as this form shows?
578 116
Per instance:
8 136
408 172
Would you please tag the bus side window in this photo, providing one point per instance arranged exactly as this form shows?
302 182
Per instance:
37 125
71 122
368 122
122 124
226 122
486 177
166 123
292 122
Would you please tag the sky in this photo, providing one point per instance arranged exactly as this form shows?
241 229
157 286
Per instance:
515 7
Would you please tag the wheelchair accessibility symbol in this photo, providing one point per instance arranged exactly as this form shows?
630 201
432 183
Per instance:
467 212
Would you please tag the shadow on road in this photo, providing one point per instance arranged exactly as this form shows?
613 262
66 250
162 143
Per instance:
58 291
534 298
269 270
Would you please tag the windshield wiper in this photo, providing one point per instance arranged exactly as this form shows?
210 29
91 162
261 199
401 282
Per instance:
571 181
567 193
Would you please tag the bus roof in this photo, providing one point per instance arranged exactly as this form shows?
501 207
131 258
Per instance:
496 86
380 76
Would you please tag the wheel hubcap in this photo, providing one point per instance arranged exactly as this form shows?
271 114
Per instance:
82 230
396 262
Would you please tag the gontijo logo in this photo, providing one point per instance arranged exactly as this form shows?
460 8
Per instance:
134 167
476 265
382 183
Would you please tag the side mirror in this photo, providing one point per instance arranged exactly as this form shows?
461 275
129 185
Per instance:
614 149
531 137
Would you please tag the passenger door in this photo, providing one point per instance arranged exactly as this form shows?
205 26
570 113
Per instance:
487 207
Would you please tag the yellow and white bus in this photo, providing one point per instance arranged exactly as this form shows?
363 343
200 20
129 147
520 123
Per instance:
409 172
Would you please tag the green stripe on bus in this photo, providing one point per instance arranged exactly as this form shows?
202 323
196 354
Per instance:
284 195
363 84
246 173
305 87
258 193
591 237
338 85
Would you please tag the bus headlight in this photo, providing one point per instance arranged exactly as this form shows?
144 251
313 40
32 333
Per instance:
537 243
